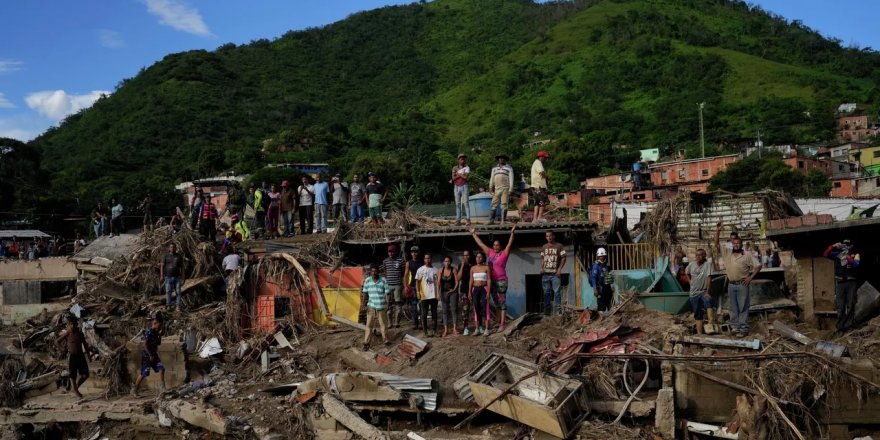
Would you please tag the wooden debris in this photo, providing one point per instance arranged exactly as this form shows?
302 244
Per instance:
350 420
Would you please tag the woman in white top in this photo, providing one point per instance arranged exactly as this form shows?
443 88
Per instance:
480 284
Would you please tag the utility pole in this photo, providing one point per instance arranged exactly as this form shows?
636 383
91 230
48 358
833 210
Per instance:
760 144
702 138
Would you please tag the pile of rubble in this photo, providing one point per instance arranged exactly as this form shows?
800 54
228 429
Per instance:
632 373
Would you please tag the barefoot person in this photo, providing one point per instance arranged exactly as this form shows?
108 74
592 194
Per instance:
77 348
427 284
479 285
497 259
150 356
449 295
375 290
463 276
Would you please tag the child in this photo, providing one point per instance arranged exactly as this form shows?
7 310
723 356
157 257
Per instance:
150 356
77 348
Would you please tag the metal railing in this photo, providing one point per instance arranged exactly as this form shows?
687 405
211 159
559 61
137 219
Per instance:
624 256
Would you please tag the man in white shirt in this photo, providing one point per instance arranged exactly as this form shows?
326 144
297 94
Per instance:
500 185
427 285
460 175
540 183
305 203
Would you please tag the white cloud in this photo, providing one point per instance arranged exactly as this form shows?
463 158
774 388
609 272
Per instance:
110 39
56 104
5 103
21 127
178 15
7 66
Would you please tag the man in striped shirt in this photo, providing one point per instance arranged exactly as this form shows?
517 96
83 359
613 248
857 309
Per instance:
374 290
393 268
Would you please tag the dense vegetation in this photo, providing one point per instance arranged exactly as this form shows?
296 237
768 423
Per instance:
756 173
400 90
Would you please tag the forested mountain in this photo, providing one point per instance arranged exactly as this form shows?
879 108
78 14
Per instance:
399 90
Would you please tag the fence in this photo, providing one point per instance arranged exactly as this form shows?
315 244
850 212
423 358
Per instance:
624 256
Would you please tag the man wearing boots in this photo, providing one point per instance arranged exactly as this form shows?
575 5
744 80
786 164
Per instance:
698 272
500 185
393 267
846 274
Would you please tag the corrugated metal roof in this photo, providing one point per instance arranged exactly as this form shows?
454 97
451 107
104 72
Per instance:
403 383
410 348
22 233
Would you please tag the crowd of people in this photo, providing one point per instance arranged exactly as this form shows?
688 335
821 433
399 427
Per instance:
35 248
459 295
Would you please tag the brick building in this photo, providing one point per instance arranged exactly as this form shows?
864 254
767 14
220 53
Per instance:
854 128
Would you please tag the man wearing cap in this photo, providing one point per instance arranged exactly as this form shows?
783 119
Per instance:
460 175
741 268
339 189
357 197
846 274
500 185
288 205
305 205
540 183
393 267
376 194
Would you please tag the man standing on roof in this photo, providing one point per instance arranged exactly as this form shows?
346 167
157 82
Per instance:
195 205
552 262
409 275
357 199
340 197
101 220
376 195
847 264
306 194
540 185
116 212
460 176
497 261
741 268
601 280
322 205
500 185
208 220
393 267
288 205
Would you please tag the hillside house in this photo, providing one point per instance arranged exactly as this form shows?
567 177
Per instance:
856 187
854 128
803 165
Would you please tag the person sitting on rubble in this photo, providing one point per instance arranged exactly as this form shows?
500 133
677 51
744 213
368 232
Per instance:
150 356
374 292
77 351
176 222
478 288
238 230
601 280
847 264
698 272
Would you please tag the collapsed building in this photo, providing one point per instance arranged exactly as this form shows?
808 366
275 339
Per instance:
273 349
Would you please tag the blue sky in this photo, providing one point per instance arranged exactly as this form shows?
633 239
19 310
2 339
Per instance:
58 56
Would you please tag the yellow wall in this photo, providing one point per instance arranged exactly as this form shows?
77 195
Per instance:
867 158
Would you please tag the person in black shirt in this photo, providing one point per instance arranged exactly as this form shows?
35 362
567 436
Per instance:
150 356
409 275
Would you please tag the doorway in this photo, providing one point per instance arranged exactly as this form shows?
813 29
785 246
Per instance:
535 292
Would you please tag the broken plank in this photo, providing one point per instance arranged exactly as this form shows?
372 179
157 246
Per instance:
350 420
349 322
752 344
210 419
791 333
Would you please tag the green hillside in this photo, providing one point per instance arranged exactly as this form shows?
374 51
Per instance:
399 90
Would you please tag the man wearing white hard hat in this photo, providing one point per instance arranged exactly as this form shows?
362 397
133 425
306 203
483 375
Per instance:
601 280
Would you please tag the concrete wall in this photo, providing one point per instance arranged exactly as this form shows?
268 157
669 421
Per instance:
526 261
44 269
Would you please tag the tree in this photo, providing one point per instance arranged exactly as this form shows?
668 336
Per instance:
769 172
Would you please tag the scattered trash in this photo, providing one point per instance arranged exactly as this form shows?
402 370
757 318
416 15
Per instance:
210 348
